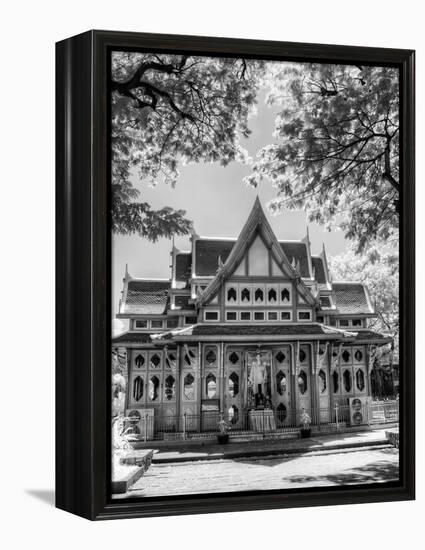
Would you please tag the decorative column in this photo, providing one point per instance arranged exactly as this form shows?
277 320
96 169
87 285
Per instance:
292 378
200 382
222 378
179 389
128 389
315 402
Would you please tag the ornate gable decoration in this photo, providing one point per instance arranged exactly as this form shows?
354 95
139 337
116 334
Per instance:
256 232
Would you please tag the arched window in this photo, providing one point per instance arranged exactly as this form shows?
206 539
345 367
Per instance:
137 388
259 295
210 385
281 382
360 380
171 359
170 387
155 360
231 295
211 357
346 356
234 358
189 357
358 356
281 414
346 377
245 295
302 382
335 380
285 295
233 384
233 414
322 381
272 295
139 361
189 387
280 357
302 356
153 388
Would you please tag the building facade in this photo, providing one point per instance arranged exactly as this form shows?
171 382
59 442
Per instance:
242 326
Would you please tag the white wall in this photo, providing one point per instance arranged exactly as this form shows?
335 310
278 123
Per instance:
29 30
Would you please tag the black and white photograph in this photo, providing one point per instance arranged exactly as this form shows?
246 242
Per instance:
254 274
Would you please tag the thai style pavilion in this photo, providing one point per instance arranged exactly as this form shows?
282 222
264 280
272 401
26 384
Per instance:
245 325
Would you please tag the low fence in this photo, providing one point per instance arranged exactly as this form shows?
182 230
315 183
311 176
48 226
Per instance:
147 426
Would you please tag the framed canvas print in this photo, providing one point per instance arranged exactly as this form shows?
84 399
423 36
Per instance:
235 282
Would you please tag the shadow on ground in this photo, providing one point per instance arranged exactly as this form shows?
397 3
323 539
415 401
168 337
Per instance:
45 495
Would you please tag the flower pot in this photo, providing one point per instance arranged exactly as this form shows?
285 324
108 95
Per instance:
305 432
222 438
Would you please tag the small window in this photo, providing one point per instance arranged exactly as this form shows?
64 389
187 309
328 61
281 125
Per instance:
335 381
245 295
280 356
285 296
285 315
231 316
259 295
332 322
189 387
303 356
234 358
172 323
346 378
322 381
344 323
346 356
211 386
189 357
139 361
281 382
320 319
245 315
302 382
231 295
358 356
170 359
137 388
156 323
272 295
190 320
233 384
211 357
357 322
259 315
155 361
272 316
304 316
153 388
211 316
141 323
360 380
170 387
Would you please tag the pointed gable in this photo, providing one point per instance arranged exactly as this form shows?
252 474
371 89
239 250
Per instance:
258 240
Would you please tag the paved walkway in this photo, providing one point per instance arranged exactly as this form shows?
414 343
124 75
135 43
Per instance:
190 452
348 466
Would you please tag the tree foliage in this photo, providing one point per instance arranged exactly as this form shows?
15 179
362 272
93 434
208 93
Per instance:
168 109
336 152
379 271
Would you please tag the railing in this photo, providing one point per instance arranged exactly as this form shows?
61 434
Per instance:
254 423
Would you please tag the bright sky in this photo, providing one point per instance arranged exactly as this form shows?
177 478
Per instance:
218 203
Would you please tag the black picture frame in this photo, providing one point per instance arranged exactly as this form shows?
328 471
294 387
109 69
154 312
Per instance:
83 277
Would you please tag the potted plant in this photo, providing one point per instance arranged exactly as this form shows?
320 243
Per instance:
305 421
223 431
